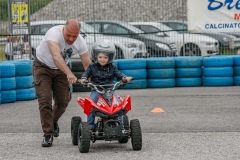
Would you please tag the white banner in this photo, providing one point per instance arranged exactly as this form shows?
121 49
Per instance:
213 16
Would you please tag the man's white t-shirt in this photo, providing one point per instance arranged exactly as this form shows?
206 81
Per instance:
55 34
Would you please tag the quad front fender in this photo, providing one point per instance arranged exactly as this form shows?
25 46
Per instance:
87 104
127 103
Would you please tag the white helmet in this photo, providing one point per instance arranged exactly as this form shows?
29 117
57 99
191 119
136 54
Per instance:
105 47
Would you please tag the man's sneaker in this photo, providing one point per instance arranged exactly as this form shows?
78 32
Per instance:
47 141
56 129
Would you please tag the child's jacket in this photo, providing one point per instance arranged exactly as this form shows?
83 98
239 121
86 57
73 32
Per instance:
102 75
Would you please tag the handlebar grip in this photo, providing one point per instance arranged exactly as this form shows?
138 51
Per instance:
124 80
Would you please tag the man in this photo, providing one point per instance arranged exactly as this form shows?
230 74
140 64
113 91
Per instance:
52 74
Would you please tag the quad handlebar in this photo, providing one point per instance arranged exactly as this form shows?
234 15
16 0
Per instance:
123 82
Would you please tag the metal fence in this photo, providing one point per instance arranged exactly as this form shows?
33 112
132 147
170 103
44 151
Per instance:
167 36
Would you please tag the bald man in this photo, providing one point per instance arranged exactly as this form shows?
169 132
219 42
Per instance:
52 76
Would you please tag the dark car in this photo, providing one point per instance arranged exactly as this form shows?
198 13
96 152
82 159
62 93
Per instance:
156 46
226 41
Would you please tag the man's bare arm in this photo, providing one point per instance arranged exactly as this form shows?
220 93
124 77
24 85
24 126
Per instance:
59 61
85 58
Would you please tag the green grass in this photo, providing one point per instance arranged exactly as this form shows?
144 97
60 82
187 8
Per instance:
228 51
2 55
35 5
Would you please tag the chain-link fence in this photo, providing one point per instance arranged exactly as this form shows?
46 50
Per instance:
138 28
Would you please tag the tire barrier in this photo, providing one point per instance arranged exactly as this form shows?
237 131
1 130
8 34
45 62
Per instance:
24 82
135 68
78 69
78 74
8 96
188 82
236 80
77 66
125 64
161 83
136 84
8 83
16 81
0 89
159 63
160 72
136 73
236 60
218 71
218 81
23 68
188 71
7 70
236 70
188 62
77 87
26 94
218 61
139 81
115 63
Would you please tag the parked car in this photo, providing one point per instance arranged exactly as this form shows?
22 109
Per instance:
188 44
226 40
236 34
156 46
126 47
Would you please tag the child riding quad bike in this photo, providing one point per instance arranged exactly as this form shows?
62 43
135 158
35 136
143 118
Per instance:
113 123
108 127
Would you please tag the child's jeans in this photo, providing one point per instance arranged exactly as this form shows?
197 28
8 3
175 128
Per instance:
91 119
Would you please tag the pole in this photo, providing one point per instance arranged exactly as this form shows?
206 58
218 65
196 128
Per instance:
10 28
94 22
183 32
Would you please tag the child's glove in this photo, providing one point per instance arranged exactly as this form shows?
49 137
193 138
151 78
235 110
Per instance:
127 79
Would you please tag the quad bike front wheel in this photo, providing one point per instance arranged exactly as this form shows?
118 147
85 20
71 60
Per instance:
83 137
136 134
126 127
74 129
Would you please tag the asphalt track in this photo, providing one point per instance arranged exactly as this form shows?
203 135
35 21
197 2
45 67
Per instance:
194 123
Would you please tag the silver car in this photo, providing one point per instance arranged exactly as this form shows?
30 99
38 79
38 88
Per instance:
126 47
187 44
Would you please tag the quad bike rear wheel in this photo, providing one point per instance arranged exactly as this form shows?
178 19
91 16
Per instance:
136 134
126 127
74 129
83 137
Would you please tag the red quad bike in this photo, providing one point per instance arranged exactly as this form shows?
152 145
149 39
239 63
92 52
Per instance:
108 126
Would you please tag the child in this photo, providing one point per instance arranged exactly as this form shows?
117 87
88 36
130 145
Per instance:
102 72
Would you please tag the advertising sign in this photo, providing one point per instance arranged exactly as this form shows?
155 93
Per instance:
19 15
213 16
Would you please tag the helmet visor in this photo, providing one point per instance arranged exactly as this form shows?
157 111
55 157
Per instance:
111 55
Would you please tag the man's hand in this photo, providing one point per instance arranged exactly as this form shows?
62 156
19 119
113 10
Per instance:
71 78
82 80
